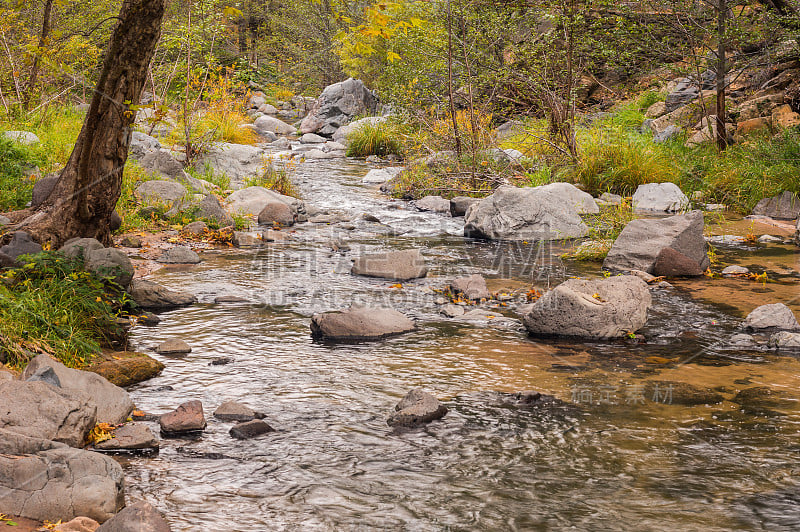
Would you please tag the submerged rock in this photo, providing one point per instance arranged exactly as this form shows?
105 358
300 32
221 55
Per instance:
595 309
774 316
400 265
416 408
763 400
360 323
680 393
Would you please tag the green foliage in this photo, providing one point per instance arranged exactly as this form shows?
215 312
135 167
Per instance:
274 177
128 206
50 305
604 228
15 185
56 126
375 139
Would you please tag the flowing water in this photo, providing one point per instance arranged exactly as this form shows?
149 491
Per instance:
611 456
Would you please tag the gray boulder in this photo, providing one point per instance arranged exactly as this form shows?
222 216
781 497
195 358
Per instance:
638 245
210 209
337 105
248 239
685 92
130 437
173 346
785 340
235 161
152 296
400 265
433 204
4 220
251 201
42 189
141 144
583 202
785 206
233 411
360 323
276 212
112 403
460 204
179 255
416 408
112 263
138 517
524 214
167 195
472 287
273 125
670 132
188 417
377 176
21 244
80 247
44 480
40 410
195 228
659 197
250 429
311 138
594 309
163 163
774 316
26 138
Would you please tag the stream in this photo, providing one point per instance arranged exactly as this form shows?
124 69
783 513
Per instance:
609 457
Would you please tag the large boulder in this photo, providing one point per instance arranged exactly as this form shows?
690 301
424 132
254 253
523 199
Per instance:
162 162
210 210
583 202
460 204
659 197
45 480
472 287
152 296
113 404
524 214
138 517
337 105
785 206
360 323
276 212
770 317
26 138
112 263
141 144
270 124
80 247
235 161
641 241
418 407
341 135
251 201
40 410
21 244
594 309
400 265
167 195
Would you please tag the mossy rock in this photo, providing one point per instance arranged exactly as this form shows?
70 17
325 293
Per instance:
125 368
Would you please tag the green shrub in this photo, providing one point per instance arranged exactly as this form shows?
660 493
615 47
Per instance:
375 139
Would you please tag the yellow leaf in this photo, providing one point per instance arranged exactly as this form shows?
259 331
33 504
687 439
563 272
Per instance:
392 57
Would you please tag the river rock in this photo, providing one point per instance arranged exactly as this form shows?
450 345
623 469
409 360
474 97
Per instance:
26 138
472 287
247 239
141 144
179 255
343 133
125 369
46 375
594 309
111 263
418 407
250 429
433 203
45 480
113 404
40 410
235 161
337 105
80 247
130 437
79 524
659 197
161 194
251 200
152 296
376 176
163 163
138 517
273 125
460 204
785 340
276 212
638 245
360 323
452 311
513 213
195 228
233 411
671 263
400 265
188 417
785 206
734 269
210 209
773 316
680 393
311 138
582 202
173 346
21 244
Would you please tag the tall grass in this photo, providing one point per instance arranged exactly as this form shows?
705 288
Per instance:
375 139
15 184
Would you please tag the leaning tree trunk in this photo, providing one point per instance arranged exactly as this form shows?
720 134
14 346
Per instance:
84 197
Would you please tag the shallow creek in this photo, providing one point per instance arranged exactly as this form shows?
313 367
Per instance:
615 458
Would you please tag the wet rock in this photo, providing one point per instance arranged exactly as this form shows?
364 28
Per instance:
187 418
769 239
250 429
21 244
173 346
113 404
130 437
311 138
644 276
680 393
247 239
735 270
417 408
377 176
230 299
153 296
594 309
460 204
39 410
742 340
79 524
472 287
399 265
138 517
337 105
210 209
659 197
179 255
360 323
638 245
195 228
111 263
282 144
45 480
276 212
433 204
452 311
524 214
273 125
671 263
46 375
785 206
233 411
774 316
785 340
125 369
80 247
765 400
221 361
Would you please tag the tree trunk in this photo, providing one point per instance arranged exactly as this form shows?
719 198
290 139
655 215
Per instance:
722 71
84 197
46 21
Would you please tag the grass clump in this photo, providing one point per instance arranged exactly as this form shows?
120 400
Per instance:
604 228
275 177
382 138
16 184
50 305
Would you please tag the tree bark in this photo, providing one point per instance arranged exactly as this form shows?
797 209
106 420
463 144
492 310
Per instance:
45 33
722 71
84 197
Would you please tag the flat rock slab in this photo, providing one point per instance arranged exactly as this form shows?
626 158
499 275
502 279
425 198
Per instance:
153 296
179 255
397 265
173 346
233 411
139 517
130 437
250 429
360 323
773 316
187 418
125 369
433 204
472 287
416 408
